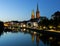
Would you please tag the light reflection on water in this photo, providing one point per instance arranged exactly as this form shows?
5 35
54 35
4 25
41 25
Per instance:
27 38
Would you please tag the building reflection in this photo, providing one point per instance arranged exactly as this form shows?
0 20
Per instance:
47 40
33 37
37 40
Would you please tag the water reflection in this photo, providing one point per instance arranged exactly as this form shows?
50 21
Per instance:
1 32
48 40
38 39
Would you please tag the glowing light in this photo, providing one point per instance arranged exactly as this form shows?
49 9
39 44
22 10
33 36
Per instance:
35 24
21 25
50 27
44 27
24 25
5 24
34 32
24 29
50 38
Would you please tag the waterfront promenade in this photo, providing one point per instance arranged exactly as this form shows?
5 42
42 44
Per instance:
45 32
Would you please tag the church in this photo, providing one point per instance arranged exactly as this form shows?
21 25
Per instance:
37 14
35 19
33 22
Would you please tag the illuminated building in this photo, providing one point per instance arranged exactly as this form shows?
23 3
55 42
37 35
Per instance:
37 13
33 16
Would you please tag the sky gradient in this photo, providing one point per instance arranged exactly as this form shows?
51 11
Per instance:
21 9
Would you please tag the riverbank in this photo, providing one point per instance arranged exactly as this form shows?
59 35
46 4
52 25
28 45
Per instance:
49 32
57 31
46 32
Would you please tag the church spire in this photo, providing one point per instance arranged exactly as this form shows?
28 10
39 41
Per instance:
32 12
37 8
37 13
32 15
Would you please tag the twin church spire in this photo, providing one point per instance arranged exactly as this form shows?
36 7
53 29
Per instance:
32 15
37 8
37 13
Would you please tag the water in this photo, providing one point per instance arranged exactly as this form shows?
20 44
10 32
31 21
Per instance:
26 38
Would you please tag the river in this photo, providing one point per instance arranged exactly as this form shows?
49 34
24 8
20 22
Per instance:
25 37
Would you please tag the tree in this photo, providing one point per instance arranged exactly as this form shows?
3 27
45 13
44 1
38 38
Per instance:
56 19
44 22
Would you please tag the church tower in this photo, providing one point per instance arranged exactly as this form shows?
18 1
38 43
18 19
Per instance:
37 13
32 15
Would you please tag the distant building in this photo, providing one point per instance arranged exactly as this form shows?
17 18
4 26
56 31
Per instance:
37 14
32 15
33 22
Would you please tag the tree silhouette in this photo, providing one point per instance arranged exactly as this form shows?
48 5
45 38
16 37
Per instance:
44 22
56 19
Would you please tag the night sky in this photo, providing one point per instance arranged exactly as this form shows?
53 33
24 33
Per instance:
21 9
